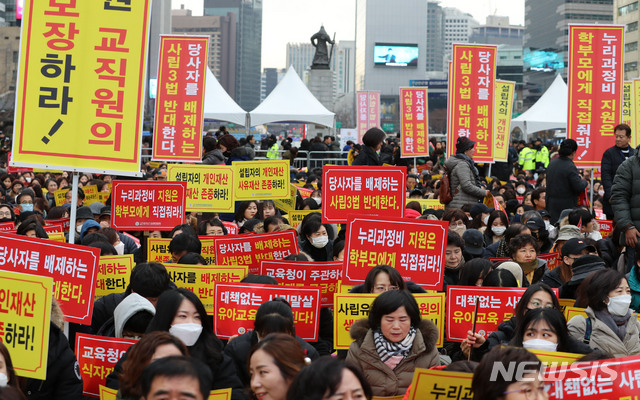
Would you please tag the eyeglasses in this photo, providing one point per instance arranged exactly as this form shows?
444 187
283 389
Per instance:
385 288
538 304
5 213
531 393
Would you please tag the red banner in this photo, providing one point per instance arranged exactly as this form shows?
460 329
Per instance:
250 250
362 191
236 306
97 355
232 228
66 222
7 226
552 259
72 267
180 100
606 227
50 228
471 102
595 82
414 122
313 274
147 205
416 248
368 111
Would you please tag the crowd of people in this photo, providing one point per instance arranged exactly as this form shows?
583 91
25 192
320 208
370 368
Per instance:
536 210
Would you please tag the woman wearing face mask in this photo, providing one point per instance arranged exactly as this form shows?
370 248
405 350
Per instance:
613 327
501 247
465 180
316 238
496 226
524 251
546 329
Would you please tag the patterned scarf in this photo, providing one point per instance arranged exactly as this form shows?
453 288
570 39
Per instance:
392 353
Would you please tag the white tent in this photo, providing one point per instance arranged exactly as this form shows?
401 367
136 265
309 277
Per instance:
290 100
549 112
219 105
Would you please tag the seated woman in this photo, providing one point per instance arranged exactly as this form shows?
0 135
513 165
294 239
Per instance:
316 237
610 325
524 251
546 329
393 342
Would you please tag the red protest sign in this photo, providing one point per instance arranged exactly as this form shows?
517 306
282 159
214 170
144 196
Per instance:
414 122
72 267
250 250
66 222
471 103
50 228
552 259
236 305
595 89
7 226
232 228
180 100
147 205
97 355
606 227
368 111
362 191
314 274
414 247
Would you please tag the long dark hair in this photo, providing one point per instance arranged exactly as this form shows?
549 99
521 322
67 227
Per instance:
554 318
521 308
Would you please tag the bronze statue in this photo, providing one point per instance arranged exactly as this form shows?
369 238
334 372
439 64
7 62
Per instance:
322 58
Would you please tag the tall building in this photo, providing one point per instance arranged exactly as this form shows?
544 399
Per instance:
249 46
435 36
9 12
458 27
222 43
343 66
498 31
269 80
546 40
3 9
9 51
300 56
626 13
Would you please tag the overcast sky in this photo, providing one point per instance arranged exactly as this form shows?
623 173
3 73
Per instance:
285 21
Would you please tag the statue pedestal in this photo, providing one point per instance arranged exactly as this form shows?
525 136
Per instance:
321 86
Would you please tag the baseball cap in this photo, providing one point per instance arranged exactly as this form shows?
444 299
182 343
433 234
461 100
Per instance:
473 242
576 246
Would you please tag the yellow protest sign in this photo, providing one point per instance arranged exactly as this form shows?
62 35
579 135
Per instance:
57 237
90 194
388 398
431 384
59 196
200 279
296 217
288 204
208 251
354 306
344 288
113 274
629 110
107 393
570 312
564 303
158 250
208 186
220 394
502 118
261 180
25 304
81 88
555 358
433 204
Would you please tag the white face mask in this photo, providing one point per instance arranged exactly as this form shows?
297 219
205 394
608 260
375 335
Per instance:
119 248
520 190
601 193
498 230
485 220
619 305
459 230
318 200
188 333
320 241
540 344
4 379
78 228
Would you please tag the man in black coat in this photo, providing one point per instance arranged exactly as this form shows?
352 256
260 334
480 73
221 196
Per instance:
611 160
564 183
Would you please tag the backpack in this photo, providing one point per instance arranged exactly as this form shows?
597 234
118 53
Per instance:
444 194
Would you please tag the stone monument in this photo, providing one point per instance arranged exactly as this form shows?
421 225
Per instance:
320 76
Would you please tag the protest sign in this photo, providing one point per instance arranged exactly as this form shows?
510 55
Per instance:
200 279
236 306
324 275
261 180
635 98
57 237
367 111
208 186
182 67
53 228
553 259
414 122
362 191
208 251
60 196
288 204
147 205
220 394
426 204
108 393
158 250
553 358
251 249
97 355
605 227
350 307
81 86
471 99
113 274
629 110
66 222
232 228
7 226
416 248
595 89
295 217
25 304
436 384
72 267
502 119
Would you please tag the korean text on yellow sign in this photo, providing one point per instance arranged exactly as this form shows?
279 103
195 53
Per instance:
434 384
158 250
113 274
502 120
261 180
426 204
296 217
288 204
208 186
25 304
80 92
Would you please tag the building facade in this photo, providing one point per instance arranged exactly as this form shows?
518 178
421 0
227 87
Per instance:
9 56
627 13
435 36
458 27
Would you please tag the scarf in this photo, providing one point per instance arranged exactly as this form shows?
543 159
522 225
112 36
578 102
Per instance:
503 249
392 353
617 324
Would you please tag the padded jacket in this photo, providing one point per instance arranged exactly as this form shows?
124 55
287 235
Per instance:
465 188
603 338
625 193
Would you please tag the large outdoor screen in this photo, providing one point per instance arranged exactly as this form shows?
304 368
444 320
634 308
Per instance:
395 55
542 60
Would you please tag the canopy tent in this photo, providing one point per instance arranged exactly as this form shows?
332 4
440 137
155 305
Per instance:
549 112
219 105
290 100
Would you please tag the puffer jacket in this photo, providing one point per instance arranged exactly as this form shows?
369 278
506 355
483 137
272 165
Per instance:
625 195
383 380
603 338
464 182
564 184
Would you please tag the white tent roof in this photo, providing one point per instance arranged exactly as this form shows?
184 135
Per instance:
549 112
219 105
290 100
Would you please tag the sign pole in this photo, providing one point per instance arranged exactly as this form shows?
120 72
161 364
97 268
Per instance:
591 194
74 204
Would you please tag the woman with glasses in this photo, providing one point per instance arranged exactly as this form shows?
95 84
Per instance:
392 343
6 213
524 251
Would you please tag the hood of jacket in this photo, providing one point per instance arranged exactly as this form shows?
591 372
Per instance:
452 162
427 328
241 152
131 305
90 223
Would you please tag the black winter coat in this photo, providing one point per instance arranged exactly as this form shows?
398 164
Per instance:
564 184
625 193
367 157
611 160
103 309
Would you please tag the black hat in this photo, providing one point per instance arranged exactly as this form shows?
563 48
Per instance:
473 242
463 144
576 246
106 210
585 265
478 209
544 213
535 223
84 213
